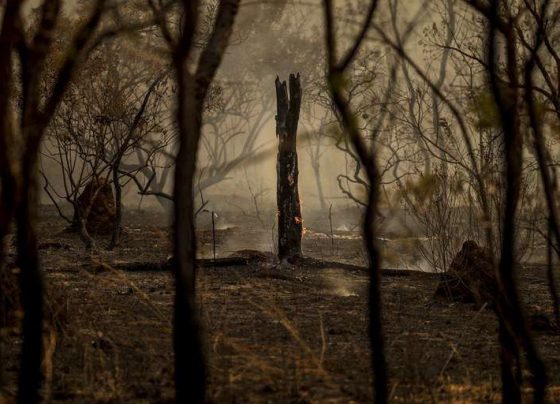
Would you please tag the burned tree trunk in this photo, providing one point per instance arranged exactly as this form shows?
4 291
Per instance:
290 223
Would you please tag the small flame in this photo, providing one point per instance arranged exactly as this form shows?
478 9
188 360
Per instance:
298 220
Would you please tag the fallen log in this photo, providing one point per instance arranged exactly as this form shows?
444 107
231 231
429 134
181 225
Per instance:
242 258
321 264
166 265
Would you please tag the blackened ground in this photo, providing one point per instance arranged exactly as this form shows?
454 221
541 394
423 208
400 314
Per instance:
273 333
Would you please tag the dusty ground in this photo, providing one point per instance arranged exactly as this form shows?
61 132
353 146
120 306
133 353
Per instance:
271 334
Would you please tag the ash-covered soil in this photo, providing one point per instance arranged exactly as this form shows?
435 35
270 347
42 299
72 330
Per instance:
272 333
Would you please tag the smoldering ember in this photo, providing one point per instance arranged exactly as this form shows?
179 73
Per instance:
279 201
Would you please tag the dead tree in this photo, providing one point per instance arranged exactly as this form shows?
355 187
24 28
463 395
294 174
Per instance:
290 223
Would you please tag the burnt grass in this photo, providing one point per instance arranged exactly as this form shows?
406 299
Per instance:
272 333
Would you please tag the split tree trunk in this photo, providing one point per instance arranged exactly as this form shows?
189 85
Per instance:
290 223
190 368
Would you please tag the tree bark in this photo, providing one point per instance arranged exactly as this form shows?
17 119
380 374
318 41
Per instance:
190 369
31 285
9 181
290 223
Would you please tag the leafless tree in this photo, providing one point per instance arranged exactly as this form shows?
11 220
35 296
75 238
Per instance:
337 69
113 109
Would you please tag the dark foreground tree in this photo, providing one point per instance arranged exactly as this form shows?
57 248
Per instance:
367 155
193 85
290 223
514 334
21 133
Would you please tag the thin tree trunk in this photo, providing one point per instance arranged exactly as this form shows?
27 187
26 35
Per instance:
290 222
79 220
367 157
510 369
317 171
79 223
118 207
374 295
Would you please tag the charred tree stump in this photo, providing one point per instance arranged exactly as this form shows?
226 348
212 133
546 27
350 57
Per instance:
290 223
